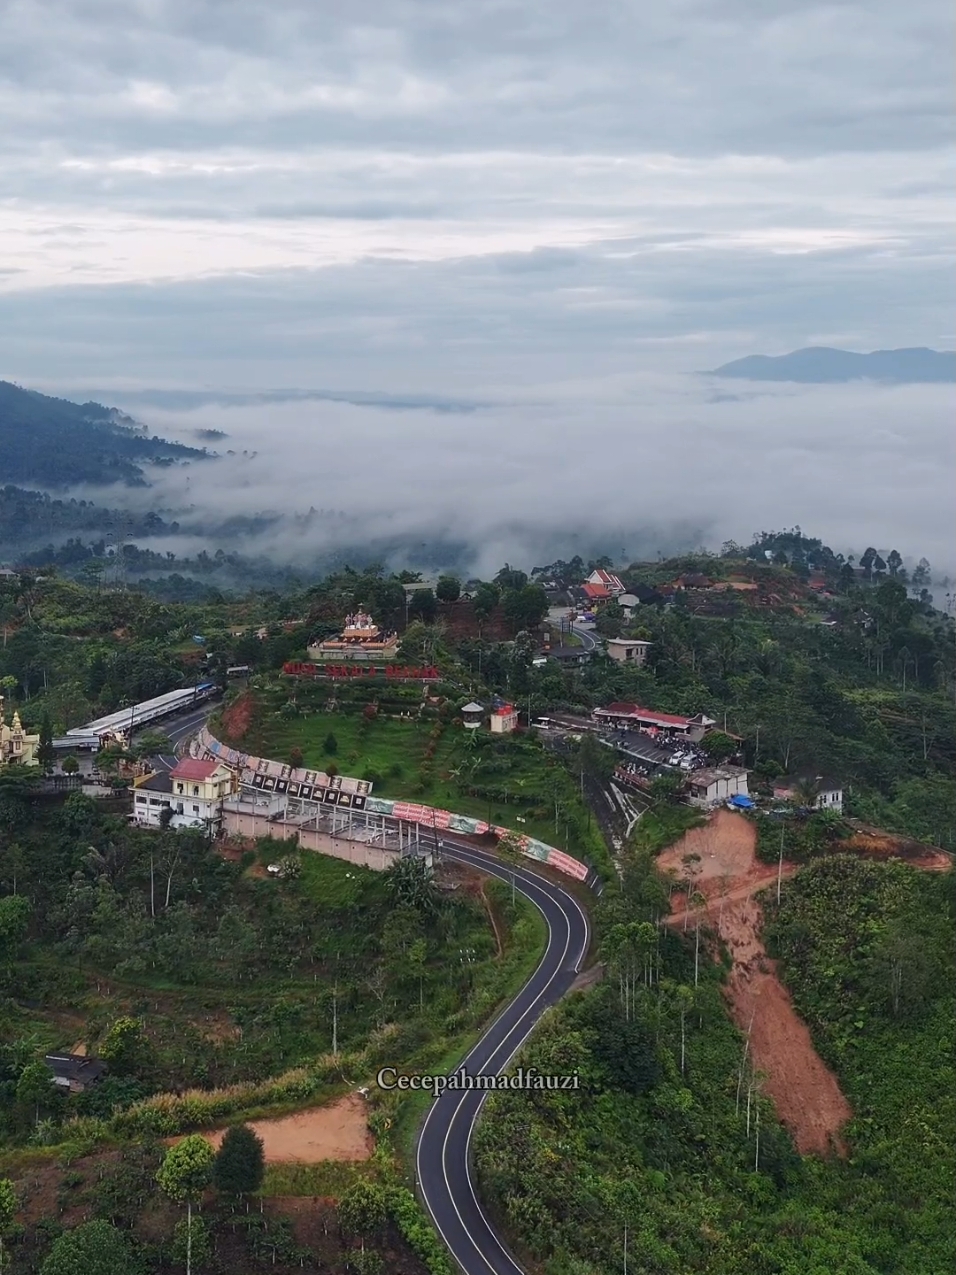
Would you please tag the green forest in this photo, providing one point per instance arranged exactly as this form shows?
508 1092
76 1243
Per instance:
673 1139
220 991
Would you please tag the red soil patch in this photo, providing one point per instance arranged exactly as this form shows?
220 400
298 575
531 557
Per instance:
338 1131
805 1092
728 866
237 718
875 843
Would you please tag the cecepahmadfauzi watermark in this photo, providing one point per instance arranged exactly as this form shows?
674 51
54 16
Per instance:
521 1078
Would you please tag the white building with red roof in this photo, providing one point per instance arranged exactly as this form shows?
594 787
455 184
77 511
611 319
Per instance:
607 580
193 791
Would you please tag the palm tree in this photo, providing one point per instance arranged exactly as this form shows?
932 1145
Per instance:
807 790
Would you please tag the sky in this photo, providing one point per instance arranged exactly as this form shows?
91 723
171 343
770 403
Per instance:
550 215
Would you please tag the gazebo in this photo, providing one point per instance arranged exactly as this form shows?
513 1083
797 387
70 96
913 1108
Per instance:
472 715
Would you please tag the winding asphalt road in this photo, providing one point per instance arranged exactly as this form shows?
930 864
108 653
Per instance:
179 729
443 1158
588 640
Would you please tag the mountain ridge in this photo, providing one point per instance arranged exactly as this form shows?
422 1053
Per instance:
822 364
54 443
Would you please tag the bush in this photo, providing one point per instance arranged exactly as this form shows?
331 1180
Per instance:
95 1248
416 1231
362 1210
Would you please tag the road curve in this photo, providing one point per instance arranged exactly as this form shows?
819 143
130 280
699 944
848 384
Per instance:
588 640
442 1161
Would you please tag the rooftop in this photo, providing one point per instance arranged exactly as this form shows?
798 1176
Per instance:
75 1067
619 709
824 783
193 768
713 773
473 708
160 782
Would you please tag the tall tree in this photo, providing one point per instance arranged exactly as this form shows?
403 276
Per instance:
184 1175
239 1164
45 753
448 589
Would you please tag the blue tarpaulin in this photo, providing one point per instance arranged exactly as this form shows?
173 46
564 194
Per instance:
740 800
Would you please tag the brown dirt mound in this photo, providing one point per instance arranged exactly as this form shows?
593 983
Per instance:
237 718
728 863
338 1131
876 843
805 1092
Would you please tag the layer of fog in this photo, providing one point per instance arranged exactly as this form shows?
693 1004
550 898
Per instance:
632 466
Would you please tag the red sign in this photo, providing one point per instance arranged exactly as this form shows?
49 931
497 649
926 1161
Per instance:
392 672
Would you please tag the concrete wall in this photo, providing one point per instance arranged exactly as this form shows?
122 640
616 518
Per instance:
374 857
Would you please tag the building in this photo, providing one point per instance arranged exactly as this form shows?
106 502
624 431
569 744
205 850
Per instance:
472 715
591 594
628 650
116 728
75 1072
628 602
17 748
622 716
569 656
360 639
829 792
717 784
599 578
193 790
420 586
152 794
504 720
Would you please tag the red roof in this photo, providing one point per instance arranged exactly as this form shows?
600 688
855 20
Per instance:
193 768
596 590
643 714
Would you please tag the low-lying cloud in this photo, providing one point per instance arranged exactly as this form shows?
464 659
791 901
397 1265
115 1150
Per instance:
646 464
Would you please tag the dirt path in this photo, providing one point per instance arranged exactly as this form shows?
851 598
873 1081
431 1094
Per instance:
338 1131
805 1092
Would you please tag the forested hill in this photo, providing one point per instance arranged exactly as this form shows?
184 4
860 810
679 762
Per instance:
54 443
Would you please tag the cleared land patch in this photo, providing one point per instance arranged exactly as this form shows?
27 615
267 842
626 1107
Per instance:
338 1131
804 1090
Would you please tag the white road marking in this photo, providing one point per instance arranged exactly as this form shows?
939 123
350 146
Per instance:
494 868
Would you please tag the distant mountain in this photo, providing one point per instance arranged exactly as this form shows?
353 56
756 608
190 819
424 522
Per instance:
53 443
819 365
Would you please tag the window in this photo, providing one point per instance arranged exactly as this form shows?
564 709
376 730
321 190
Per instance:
195 790
179 787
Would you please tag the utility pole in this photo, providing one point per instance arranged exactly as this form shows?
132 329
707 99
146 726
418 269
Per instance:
335 1019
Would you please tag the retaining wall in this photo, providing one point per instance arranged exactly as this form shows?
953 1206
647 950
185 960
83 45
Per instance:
426 816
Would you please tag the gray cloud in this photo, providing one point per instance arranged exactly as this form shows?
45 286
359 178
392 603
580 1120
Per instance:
645 463
550 212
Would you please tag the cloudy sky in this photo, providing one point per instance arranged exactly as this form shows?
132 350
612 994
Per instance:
556 213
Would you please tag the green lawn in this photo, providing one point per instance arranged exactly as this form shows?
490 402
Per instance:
514 786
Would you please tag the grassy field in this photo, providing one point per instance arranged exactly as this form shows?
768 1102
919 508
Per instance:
424 756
